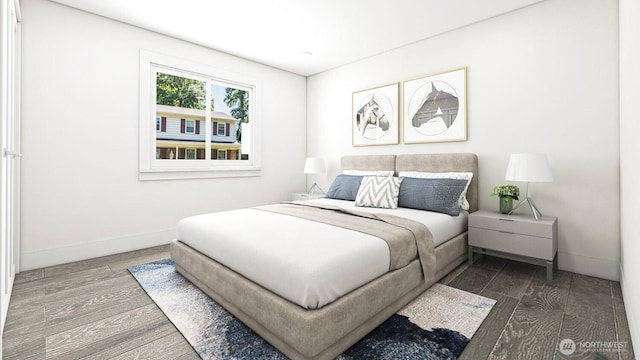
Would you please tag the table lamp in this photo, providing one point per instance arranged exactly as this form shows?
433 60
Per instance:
314 165
529 168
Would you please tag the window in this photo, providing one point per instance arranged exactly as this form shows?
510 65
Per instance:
190 111
190 127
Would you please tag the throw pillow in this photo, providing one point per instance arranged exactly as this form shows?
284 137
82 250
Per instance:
344 187
462 201
439 195
379 192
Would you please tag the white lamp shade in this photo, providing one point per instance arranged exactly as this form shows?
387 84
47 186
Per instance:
528 167
314 165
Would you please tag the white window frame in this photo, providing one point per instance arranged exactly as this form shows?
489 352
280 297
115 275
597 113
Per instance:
151 168
186 126
158 123
222 126
221 151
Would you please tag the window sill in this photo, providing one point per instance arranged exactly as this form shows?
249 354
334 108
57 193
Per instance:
178 174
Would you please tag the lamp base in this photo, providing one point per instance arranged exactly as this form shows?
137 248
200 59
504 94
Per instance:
536 213
315 189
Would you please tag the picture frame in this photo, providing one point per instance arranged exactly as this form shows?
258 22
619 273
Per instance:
434 107
375 116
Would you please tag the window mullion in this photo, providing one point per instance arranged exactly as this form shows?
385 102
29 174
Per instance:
207 121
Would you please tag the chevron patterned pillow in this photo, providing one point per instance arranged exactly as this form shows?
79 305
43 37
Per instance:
379 192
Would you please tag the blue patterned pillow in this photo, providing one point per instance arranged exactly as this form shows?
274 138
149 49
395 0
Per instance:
344 187
439 195
379 192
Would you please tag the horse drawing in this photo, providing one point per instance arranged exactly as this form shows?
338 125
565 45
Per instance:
370 114
438 104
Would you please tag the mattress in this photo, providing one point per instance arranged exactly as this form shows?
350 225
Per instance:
443 227
306 262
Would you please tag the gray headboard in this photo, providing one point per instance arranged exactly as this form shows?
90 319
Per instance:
368 162
454 162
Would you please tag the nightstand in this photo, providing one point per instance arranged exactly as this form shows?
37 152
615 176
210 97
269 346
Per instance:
516 237
306 196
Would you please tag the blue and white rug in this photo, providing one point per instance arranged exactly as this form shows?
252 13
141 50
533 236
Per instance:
436 325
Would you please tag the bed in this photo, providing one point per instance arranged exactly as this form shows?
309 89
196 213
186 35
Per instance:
323 325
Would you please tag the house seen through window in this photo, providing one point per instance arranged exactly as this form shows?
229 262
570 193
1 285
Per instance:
184 114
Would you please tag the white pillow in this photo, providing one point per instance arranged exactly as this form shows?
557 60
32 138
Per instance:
462 201
368 172
379 192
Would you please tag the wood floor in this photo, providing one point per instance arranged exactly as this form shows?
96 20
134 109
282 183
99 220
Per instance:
94 309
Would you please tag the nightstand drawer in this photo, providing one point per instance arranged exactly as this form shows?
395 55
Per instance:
493 223
544 227
513 243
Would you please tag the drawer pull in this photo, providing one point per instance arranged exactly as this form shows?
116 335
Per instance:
511 220
506 232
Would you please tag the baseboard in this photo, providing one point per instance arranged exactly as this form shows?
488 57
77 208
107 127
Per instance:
66 254
602 268
633 312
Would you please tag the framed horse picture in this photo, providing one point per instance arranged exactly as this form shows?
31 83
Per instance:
375 119
435 108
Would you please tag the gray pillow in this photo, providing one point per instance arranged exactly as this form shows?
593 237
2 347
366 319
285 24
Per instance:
439 195
344 187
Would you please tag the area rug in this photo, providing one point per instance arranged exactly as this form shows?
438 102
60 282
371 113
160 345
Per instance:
436 325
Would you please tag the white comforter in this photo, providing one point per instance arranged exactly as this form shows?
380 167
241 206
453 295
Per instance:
306 262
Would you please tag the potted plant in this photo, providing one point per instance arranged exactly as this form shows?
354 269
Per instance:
506 193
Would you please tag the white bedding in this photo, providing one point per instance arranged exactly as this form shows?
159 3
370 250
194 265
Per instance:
306 262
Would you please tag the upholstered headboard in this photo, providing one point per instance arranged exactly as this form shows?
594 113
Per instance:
454 162
368 162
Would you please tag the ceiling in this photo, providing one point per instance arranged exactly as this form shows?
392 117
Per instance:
282 33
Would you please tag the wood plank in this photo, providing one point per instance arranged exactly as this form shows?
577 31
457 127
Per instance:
101 261
487 335
541 296
622 329
491 263
81 337
54 326
589 332
531 334
121 341
560 278
93 301
26 276
20 318
454 274
513 280
473 280
170 347
79 289
68 279
590 298
33 349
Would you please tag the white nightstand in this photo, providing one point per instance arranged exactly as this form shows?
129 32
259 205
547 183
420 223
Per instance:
517 237
306 196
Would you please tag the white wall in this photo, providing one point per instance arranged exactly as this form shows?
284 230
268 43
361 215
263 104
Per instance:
80 192
629 169
541 79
